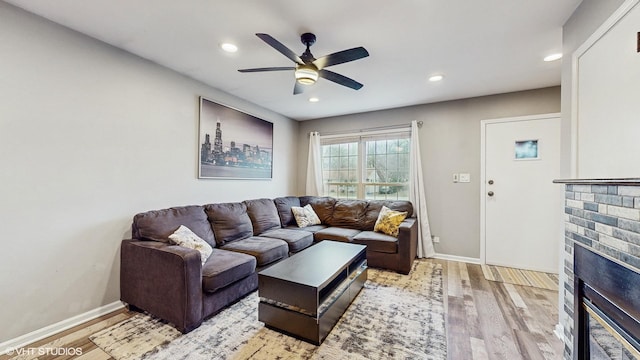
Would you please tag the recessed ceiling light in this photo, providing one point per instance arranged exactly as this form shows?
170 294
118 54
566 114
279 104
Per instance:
435 78
313 99
553 57
229 47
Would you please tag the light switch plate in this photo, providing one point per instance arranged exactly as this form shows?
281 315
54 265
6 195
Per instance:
455 178
465 177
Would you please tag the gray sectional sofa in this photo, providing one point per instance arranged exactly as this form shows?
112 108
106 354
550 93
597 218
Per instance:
170 282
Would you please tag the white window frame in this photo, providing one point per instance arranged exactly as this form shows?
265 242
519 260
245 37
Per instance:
361 138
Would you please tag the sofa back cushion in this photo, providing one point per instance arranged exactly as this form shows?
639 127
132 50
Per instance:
349 214
157 225
230 222
284 204
323 206
263 215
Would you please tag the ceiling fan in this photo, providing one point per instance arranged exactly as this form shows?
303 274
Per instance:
308 69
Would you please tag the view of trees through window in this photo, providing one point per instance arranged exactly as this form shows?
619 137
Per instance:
367 168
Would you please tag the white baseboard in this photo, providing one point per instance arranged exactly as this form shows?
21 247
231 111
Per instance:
53 329
458 258
559 331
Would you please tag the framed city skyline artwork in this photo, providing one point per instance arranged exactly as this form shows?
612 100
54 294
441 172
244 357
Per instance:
233 144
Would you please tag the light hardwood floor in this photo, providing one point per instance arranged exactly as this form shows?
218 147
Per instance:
485 320
491 320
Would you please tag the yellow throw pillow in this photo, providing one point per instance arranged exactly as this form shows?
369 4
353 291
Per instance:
389 221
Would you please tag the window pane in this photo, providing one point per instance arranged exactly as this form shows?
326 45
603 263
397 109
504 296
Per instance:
340 164
385 167
353 149
335 149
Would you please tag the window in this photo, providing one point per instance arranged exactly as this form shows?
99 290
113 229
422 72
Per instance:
367 167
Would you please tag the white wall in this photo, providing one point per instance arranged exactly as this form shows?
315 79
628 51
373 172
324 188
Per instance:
607 75
589 15
89 136
450 143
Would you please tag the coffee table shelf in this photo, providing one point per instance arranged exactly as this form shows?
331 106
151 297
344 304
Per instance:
306 294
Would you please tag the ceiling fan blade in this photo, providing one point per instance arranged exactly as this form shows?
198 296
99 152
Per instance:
341 57
267 69
280 47
298 88
340 79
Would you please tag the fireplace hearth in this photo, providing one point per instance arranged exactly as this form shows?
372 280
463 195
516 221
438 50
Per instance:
606 308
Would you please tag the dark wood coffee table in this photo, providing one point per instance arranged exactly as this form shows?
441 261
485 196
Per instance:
306 294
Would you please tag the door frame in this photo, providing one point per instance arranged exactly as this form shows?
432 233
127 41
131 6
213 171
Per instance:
483 175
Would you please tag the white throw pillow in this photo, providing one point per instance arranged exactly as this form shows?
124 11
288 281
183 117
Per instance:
305 216
187 238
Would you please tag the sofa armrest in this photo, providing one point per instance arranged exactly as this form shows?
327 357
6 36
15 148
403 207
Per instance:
407 244
163 279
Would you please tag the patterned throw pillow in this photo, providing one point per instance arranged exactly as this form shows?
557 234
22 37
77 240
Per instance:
305 216
389 221
187 238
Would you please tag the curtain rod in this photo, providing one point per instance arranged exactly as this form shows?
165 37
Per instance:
378 128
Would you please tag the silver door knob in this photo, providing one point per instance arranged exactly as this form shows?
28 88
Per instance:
490 193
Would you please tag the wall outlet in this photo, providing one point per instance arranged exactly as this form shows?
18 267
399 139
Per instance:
465 177
436 239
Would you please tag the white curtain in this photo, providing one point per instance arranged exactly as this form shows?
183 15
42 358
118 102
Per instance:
314 166
417 196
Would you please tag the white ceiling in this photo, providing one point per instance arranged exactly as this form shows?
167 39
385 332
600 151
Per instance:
482 47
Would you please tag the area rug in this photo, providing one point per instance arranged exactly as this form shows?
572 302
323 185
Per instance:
394 317
520 277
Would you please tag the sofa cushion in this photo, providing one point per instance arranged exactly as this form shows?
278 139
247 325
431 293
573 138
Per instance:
311 229
157 225
186 238
305 216
336 234
349 214
296 239
323 206
377 242
265 250
224 268
284 204
389 221
263 215
230 222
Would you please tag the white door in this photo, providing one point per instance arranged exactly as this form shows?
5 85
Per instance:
523 214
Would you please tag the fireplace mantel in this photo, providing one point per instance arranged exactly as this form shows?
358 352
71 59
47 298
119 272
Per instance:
620 181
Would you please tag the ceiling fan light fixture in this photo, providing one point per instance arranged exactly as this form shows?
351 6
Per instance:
306 75
307 69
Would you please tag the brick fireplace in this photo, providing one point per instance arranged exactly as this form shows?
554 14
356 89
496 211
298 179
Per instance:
602 217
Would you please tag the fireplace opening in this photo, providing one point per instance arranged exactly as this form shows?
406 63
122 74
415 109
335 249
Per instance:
606 308
607 340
